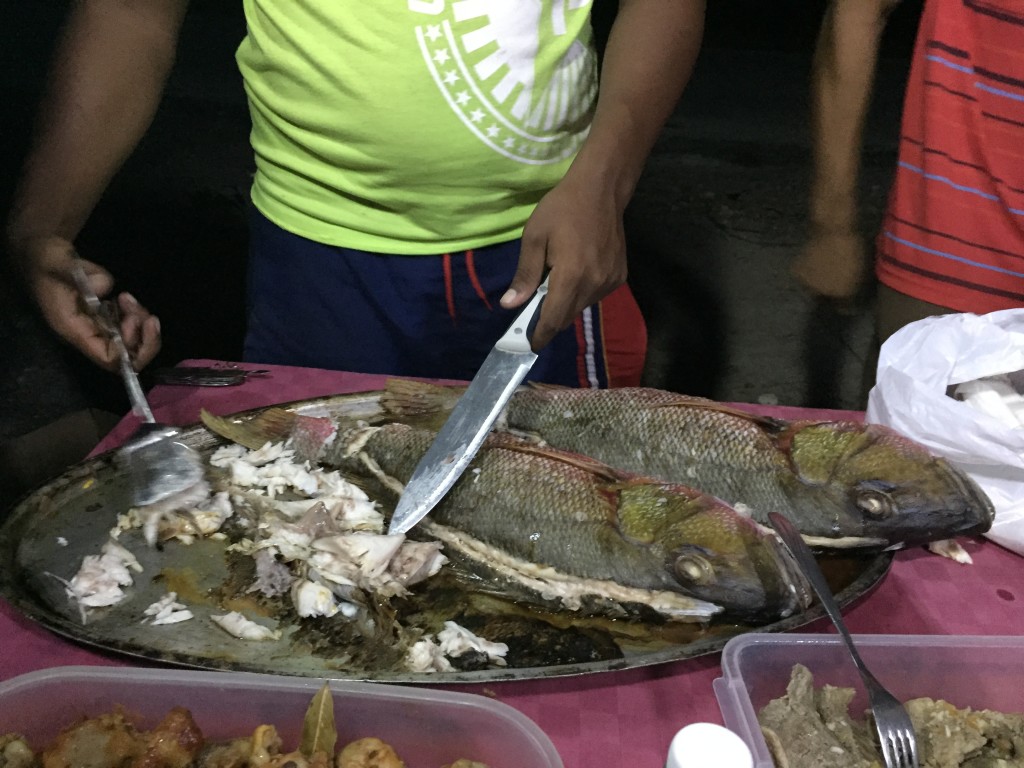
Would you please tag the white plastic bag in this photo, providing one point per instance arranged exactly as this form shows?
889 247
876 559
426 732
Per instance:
917 366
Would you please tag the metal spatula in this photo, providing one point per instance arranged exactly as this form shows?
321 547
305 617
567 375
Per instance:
159 465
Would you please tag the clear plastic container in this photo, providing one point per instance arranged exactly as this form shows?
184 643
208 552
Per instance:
428 728
977 672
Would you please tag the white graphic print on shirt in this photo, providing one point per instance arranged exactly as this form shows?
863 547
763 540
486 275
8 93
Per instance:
483 55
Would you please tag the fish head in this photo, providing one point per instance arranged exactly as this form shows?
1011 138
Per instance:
867 486
713 552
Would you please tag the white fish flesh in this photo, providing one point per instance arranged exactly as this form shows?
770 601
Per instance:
100 580
239 626
167 610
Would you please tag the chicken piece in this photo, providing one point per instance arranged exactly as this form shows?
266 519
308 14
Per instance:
298 760
463 763
107 741
833 704
266 744
15 752
174 743
368 753
230 754
796 734
946 736
1004 732
321 760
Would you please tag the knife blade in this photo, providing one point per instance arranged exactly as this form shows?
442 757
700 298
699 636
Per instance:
472 418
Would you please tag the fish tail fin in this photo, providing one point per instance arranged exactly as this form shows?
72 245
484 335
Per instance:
269 426
405 397
309 434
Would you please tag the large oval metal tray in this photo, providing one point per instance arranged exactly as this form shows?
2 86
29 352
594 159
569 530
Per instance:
48 532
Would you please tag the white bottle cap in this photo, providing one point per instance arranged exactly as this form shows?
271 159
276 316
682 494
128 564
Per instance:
706 745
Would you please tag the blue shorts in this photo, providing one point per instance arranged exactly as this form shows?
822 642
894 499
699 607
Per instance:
434 316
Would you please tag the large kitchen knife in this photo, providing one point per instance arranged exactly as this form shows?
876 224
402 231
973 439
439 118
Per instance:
472 418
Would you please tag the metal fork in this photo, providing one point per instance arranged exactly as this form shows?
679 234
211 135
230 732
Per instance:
895 731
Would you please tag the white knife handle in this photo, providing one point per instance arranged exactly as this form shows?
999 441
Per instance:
517 337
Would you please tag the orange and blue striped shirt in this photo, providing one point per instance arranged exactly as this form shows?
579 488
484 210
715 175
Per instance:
953 234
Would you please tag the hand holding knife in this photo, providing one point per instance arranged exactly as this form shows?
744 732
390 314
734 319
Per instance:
472 418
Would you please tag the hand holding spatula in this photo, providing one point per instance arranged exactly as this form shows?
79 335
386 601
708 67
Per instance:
159 466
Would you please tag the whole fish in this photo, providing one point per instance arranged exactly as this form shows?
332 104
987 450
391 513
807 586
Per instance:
843 484
576 532
533 509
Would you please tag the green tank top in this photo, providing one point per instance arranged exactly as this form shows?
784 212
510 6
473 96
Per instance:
414 126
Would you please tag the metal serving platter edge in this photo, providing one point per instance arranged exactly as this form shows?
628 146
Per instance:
46 535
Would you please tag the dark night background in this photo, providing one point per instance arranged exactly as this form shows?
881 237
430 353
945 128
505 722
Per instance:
730 168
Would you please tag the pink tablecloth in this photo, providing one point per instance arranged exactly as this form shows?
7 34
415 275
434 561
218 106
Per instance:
617 718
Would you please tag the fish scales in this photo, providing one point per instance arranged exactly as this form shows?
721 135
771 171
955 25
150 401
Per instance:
726 456
531 520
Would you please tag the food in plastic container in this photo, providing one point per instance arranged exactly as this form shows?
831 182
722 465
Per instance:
431 727
968 671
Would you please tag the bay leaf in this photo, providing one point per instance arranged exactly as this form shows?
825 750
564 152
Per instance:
319 732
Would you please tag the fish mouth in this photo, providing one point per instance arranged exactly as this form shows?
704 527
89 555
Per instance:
797 593
846 542
951 504
976 500
965 510
775 588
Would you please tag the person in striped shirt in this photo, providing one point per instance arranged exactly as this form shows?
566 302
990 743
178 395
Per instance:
952 239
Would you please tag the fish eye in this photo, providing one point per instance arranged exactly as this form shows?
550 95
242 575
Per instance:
875 504
694 569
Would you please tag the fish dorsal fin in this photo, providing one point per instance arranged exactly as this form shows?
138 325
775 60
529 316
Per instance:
769 424
593 466
543 386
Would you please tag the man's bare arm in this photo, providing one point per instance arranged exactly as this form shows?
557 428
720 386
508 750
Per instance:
834 262
650 55
577 228
105 85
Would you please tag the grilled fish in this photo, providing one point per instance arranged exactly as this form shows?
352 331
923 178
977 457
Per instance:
580 534
845 485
